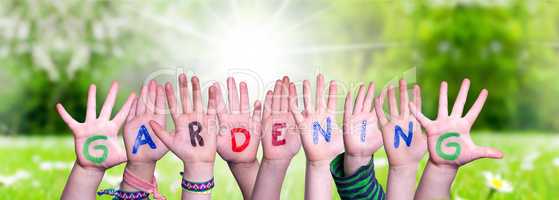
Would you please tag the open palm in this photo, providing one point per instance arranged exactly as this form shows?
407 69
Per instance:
240 132
322 139
362 136
96 139
404 142
280 138
449 135
194 139
142 145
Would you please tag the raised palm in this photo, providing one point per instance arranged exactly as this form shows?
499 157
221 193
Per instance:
96 140
240 133
321 137
194 138
449 135
142 145
362 136
404 142
280 138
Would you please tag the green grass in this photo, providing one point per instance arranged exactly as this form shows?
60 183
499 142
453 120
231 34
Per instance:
28 153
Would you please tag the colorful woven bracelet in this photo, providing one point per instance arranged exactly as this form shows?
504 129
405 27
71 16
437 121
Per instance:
197 187
118 195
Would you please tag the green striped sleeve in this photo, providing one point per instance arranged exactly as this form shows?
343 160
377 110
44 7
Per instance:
359 186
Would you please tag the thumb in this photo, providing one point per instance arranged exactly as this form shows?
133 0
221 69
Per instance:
161 133
487 152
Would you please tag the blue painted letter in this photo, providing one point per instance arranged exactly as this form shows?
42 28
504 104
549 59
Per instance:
399 132
143 138
326 133
363 130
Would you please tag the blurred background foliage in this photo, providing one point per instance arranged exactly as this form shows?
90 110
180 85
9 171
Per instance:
51 51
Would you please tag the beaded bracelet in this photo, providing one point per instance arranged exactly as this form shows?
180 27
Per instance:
118 195
197 187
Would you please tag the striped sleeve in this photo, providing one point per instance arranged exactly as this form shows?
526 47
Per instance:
361 185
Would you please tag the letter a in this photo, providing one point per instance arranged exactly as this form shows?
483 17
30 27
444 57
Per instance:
143 138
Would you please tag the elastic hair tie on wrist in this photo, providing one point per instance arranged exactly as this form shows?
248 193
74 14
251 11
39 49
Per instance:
197 187
142 185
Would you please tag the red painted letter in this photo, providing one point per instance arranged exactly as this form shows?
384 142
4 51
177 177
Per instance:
276 132
234 141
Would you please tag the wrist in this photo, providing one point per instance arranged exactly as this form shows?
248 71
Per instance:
353 162
142 170
318 164
89 171
443 168
198 171
243 165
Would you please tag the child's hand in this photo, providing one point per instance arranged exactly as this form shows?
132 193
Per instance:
97 144
195 131
321 138
240 132
142 146
448 137
280 139
362 136
403 141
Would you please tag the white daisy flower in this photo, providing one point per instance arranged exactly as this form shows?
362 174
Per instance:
556 161
12 179
495 182
55 165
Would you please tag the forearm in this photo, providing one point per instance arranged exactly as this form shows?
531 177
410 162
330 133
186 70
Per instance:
245 174
143 170
436 182
82 183
197 172
270 179
318 181
401 182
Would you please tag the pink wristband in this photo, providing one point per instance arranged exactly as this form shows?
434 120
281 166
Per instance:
142 185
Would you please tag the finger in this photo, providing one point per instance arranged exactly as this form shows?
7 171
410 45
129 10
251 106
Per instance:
392 103
284 106
319 107
161 133
91 104
472 115
443 101
197 95
419 115
132 111
184 94
244 97
257 112
67 118
219 98
487 152
120 117
276 100
458 107
379 101
348 106
160 101
307 97
141 105
267 104
232 95
172 101
292 92
404 98
109 102
152 94
212 104
367 105
293 104
417 97
359 101
332 95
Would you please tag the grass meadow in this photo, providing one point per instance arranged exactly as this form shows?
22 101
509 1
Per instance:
37 168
